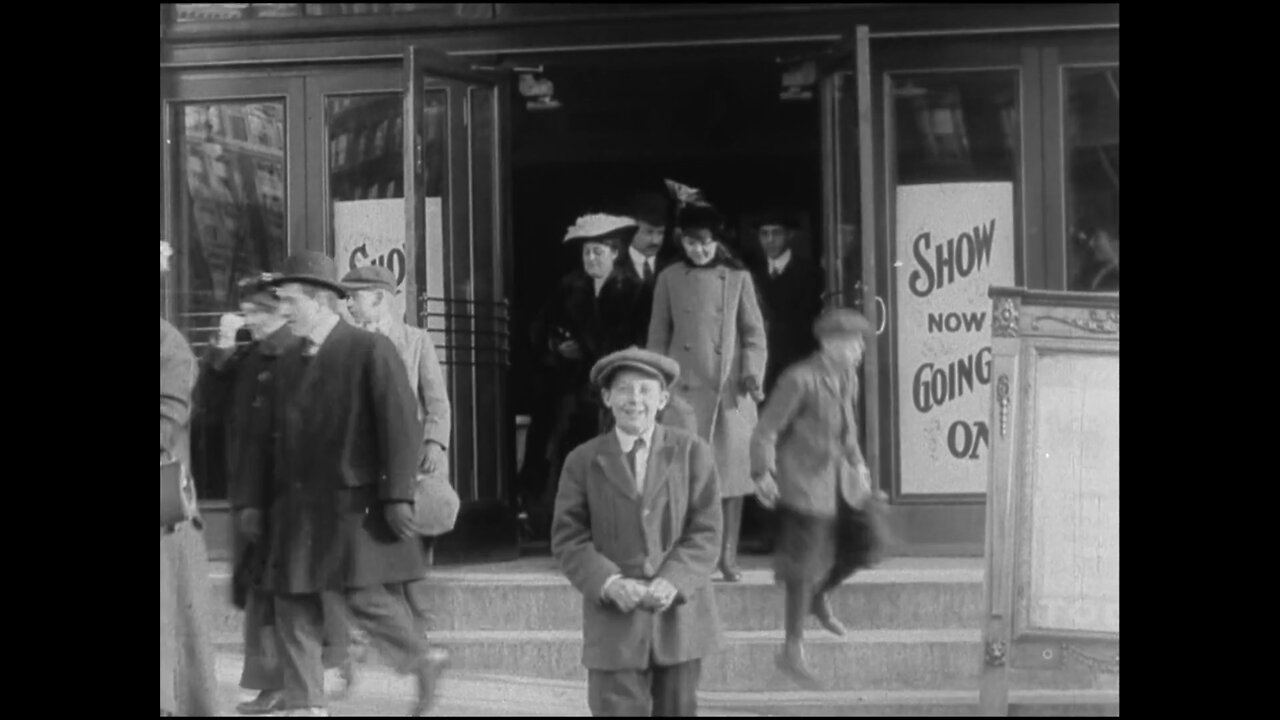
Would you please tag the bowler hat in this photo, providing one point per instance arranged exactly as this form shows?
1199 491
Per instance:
652 208
633 358
370 277
311 268
838 322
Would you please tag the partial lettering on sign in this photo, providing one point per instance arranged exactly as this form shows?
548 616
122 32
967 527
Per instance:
371 232
954 241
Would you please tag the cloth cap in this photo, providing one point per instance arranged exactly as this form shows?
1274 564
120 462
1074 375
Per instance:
838 322
633 358
260 290
370 277
311 268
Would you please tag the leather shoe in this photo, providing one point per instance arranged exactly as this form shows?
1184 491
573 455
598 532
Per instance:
791 661
822 610
429 671
267 702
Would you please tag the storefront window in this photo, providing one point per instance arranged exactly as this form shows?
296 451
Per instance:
231 220
366 182
957 142
1093 188
956 126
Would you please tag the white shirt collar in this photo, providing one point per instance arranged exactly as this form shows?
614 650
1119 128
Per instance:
639 259
627 441
780 263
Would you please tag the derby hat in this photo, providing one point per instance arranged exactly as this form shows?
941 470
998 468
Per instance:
311 268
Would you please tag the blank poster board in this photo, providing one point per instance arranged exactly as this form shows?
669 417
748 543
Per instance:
1075 494
1053 500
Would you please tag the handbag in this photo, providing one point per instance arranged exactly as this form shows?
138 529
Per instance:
435 504
177 495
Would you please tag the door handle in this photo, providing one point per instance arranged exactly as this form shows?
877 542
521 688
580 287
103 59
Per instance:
883 309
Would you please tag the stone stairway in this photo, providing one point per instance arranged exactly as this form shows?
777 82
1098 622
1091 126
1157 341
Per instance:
914 646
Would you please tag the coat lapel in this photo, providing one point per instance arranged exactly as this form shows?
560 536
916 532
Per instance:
660 459
614 464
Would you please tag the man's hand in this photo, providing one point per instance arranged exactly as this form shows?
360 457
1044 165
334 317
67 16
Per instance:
625 593
767 491
251 524
228 325
400 517
750 385
660 595
433 458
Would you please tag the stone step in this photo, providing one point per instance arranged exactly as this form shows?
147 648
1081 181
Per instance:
466 693
865 660
533 596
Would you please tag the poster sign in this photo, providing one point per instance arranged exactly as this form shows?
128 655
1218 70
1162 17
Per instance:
371 232
954 241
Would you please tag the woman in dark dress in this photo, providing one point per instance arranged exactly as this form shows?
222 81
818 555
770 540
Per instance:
592 315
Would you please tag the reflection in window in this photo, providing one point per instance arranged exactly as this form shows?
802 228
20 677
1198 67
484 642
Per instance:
956 126
231 225
366 158
1093 172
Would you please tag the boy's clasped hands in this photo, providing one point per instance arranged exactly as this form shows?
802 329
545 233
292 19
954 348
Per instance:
629 594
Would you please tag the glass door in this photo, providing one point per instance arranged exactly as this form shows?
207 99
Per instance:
849 214
456 183
958 193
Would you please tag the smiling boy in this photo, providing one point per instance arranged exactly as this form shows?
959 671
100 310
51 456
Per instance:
637 530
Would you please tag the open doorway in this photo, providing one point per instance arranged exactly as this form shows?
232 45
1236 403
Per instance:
621 127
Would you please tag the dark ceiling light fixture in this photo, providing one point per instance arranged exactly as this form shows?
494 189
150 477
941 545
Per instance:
798 81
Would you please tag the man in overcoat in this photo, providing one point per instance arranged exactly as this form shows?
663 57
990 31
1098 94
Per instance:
790 294
637 531
247 376
648 254
341 515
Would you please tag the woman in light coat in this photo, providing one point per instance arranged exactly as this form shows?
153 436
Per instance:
706 317
188 686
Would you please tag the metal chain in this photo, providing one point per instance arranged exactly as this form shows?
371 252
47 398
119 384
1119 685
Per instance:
1093 663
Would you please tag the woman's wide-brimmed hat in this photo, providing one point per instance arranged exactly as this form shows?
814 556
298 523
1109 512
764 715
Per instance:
612 230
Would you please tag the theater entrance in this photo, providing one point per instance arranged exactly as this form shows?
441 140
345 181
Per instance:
758 128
